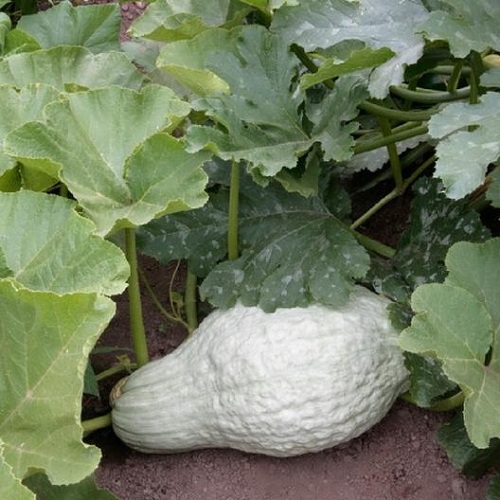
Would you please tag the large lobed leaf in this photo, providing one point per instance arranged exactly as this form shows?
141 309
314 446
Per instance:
96 27
45 340
459 323
248 78
18 107
378 24
465 25
109 147
63 67
170 20
293 250
47 246
464 155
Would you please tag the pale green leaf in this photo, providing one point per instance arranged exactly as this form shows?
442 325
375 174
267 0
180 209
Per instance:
458 322
108 147
84 490
465 25
45 340
62 66
96 27
56 249
358 60
18 107
379 24
491 78
474 267
171 20
5 27
10 486
464 155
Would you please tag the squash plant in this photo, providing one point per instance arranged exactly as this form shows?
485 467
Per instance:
229 148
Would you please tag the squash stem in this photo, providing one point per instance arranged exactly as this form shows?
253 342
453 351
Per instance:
125 365
94 424
232 234
385 127
137 331
393 194
190 301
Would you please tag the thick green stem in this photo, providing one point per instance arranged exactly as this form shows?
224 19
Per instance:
424 96
190 301
94 424
397 114
114 370
137 331
385 127
476 64
393 194
447 404
414 131
234 193
455 76
374 245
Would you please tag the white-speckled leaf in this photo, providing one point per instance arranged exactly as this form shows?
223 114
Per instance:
465 25
377 23
463 156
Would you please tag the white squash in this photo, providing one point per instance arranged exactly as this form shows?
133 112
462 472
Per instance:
294 381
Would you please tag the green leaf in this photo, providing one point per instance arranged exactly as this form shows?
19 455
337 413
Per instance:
96 27
171 20
18 107
56 249
469 460
120 179
458 322
378 24
358 60
45 340
494 489
257 104
463 156
10 486
277 267
198 236
465 25
428 383
5 27
84 490
61 66
436 223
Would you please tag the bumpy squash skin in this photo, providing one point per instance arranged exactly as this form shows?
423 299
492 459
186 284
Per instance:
295 381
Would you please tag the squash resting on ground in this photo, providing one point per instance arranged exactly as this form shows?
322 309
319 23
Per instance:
285 383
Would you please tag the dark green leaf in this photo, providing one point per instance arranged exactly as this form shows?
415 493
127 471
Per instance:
471 461
436 223
494 489
428 382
